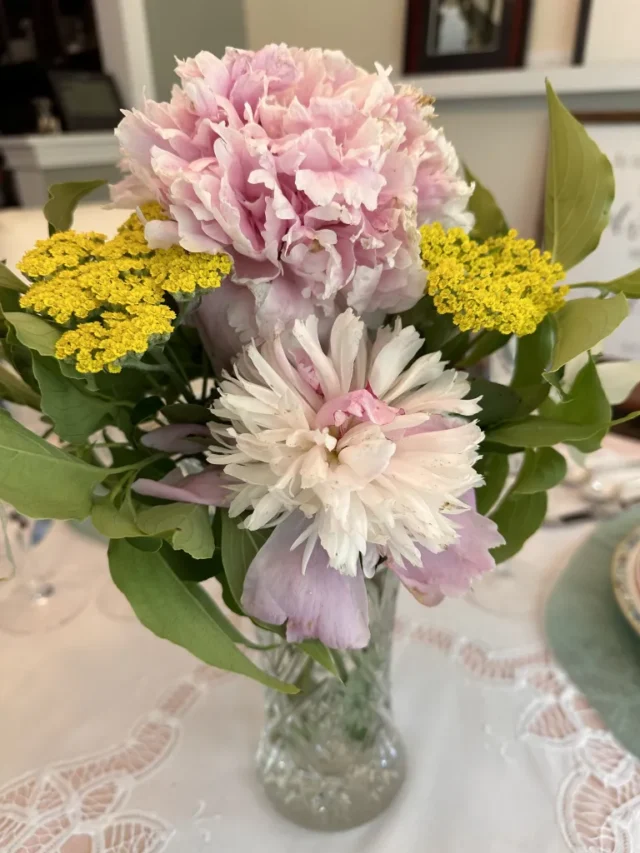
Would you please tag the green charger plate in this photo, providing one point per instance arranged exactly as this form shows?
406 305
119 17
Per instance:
590 637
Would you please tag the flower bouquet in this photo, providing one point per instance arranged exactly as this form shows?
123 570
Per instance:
271 378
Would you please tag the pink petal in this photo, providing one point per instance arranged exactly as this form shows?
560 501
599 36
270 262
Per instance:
175 438
319 604
209 488
452 571
359 404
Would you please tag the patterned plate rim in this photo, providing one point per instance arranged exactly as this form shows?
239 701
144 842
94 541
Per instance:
623 578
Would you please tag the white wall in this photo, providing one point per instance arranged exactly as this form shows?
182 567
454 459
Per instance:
614 32
366 30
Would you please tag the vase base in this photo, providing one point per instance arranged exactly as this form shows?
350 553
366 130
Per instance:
339 801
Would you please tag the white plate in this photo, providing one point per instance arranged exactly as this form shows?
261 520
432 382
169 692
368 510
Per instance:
625 573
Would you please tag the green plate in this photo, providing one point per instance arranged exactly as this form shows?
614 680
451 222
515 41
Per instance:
625 574
590 637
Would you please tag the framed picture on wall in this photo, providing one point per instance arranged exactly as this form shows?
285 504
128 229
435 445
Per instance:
618 253
465 35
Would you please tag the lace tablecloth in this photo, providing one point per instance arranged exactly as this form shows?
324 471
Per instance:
113 741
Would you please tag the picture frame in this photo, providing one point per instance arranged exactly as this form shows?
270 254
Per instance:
618 135
465 35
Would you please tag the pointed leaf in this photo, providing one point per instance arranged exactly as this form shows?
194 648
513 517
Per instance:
174 610
628 284
518 517
41 480
189 525
542 470
63 200
484 345
490 221
494 467
10 280
540 432
14 390
75 413
34 332
583 323
580 188
114 522
322 655
499 402
239 547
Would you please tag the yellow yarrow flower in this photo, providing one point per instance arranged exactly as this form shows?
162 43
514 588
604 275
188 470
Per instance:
107 343
505 283
86 277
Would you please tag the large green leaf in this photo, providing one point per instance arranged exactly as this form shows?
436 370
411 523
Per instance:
580 188
542 470
583 323
322 655
187 413
188 524
75 413
540 432
494 467
485 344
188 568
112 521
10 280
499 403
175 610
41 480
239 547
518 517
436 329
34 332
490 221
586 403
14 390
533 353
63 200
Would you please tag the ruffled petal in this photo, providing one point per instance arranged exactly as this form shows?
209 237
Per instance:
319 604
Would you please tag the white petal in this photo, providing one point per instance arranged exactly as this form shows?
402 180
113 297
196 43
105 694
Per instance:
392 360
307 335
346 336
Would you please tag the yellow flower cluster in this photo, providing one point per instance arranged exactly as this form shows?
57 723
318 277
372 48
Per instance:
79 277
106 343
505 283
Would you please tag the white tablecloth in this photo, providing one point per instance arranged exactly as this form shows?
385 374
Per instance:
112 741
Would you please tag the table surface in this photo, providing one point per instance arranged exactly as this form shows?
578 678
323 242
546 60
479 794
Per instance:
113 741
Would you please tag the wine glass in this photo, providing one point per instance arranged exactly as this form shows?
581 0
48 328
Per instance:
39 597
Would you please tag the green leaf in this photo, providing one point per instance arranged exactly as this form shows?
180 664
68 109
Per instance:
586 403
174 610
14 390
34 332
580 188
630 417
484 345
187 568
582 323
148 544
518 517
188 524
10 280
63 200
436 329
490 221
75 413
533 353
322 655
187 413
540 432
145 409
494 467
239 547
499 402
221 620
628 284
41 480
542 470
114 522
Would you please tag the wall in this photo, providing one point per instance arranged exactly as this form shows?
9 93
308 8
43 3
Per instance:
367 31
614 32
183 27
504 142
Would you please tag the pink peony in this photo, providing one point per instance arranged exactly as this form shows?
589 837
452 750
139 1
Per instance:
313 174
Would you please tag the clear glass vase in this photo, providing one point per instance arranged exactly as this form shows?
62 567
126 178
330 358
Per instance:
330 757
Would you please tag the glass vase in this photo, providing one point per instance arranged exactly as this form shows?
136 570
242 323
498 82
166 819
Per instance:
330 757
